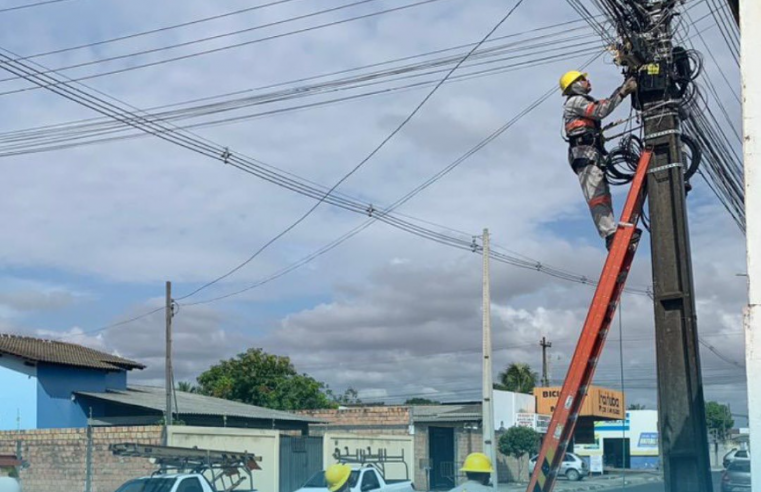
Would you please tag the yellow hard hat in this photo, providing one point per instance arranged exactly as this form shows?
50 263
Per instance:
477 463
569 78
336 476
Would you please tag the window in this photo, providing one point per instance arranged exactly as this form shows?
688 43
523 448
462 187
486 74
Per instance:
153 484
190 484
742 466
741 454
370 481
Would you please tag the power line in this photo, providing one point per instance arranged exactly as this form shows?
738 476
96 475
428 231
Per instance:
30 5
363 161
215 50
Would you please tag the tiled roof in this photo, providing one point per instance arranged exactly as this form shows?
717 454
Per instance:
154 398
67 354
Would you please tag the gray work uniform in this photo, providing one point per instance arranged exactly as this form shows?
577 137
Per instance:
473 486
582 116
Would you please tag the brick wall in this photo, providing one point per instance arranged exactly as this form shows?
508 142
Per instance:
366 420
57 457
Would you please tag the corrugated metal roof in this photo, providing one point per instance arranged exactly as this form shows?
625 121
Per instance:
154 398
68 354
446 413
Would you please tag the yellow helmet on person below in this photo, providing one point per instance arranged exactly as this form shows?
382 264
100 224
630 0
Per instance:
569 78
477 463
336 476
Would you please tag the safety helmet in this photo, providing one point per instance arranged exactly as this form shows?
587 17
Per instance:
569 78
336 476
477 463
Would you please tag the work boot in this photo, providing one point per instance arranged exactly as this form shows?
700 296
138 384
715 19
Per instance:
609 241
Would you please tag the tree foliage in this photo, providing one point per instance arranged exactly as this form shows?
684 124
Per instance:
421 401
519 442
718 419
187 387
258 378
519 378
350 397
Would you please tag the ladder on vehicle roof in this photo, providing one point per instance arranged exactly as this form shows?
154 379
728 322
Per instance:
224 467
593 335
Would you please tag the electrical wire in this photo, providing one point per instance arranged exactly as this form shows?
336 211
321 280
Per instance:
30 5
211 50
377 149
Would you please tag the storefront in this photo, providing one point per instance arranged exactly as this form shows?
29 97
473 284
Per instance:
628 443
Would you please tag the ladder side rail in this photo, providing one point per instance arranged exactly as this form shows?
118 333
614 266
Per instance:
591 342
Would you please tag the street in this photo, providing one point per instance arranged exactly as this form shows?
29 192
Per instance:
658 486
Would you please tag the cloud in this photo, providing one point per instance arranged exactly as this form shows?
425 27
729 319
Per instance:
386 311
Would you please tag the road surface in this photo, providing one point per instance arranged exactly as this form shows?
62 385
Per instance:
658 487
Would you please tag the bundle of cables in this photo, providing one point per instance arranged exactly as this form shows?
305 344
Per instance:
621 162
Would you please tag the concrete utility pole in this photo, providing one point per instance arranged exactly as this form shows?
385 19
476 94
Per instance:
545 367
681 410
487 405
168 368
750 16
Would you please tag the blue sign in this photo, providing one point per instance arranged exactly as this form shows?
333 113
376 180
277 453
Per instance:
648 440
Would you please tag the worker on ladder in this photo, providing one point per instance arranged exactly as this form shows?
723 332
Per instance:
478 470
582 117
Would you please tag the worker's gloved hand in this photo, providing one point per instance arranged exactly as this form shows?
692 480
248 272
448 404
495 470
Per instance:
629 87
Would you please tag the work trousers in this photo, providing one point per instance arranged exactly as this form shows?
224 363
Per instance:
597 193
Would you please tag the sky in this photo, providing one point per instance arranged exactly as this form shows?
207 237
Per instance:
92 233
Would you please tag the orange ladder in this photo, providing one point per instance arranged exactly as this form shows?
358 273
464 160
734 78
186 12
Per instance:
593 335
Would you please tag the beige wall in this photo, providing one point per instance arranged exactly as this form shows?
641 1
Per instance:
260 442
393 444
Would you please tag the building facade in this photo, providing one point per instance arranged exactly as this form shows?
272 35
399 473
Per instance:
39 377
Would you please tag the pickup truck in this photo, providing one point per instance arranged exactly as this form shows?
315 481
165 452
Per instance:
362 479
181 482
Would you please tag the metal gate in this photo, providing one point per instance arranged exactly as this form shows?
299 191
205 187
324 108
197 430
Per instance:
300 458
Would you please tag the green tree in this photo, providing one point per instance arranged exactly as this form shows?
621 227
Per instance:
350 397
258 378
187 387
636 406
421 401
718 419
519 378
518 442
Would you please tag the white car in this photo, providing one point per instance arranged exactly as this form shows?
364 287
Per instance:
9 484
192 482
742 454
362 479
572 467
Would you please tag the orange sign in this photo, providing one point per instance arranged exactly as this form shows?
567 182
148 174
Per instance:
600 402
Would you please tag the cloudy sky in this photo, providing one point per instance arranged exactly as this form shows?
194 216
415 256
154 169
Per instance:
92 232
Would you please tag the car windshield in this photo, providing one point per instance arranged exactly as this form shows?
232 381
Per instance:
740 466
153 484
317 481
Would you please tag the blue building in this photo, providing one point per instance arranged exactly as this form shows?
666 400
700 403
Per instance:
39 379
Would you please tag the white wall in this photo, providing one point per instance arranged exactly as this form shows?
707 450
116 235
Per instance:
18 394
507 404
260 442
643 432
394 445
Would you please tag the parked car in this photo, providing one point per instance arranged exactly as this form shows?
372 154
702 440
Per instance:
362 479
742 454
573 468
168 483
736 477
